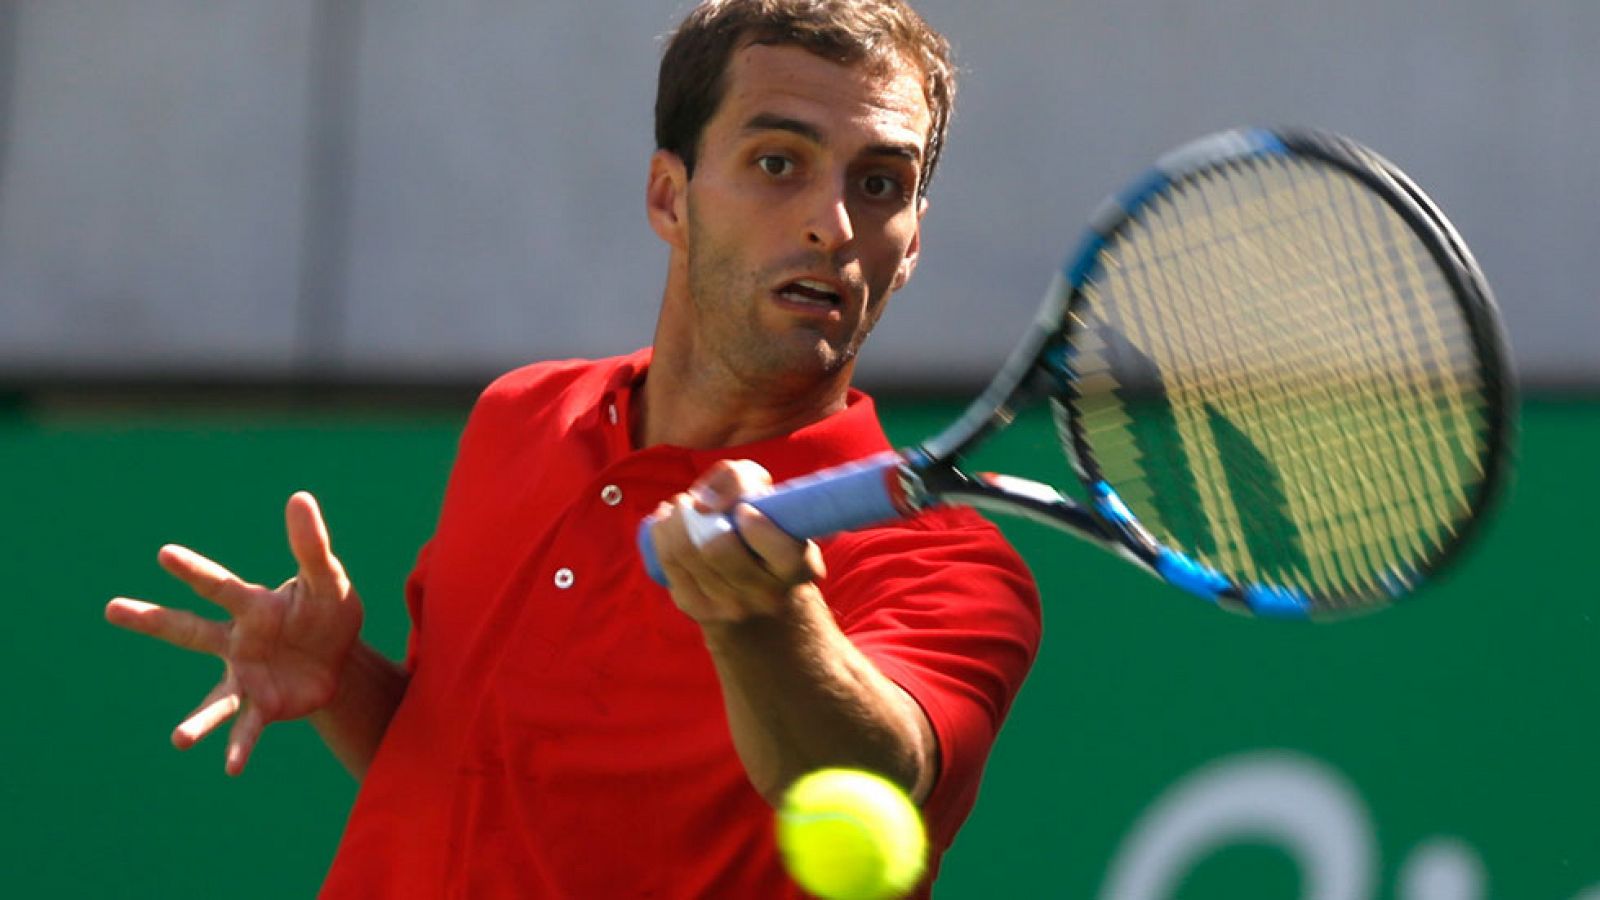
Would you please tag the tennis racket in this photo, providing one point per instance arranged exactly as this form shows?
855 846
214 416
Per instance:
1273 364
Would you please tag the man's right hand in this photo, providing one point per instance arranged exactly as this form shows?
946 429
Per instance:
284 649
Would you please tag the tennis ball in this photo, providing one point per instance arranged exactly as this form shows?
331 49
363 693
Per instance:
851 835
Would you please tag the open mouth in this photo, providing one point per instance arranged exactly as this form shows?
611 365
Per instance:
811 293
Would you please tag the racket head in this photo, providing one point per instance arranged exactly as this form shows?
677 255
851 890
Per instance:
1282 375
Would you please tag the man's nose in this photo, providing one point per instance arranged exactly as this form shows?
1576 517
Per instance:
829 227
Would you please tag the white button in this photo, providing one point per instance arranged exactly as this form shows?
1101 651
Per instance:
611 413
611 495
563 578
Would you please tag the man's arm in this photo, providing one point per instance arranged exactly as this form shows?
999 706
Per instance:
799 695
352 724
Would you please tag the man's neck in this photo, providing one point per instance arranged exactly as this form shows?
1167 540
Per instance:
700 406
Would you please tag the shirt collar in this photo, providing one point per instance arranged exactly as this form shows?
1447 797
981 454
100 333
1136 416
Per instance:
613 411
849 434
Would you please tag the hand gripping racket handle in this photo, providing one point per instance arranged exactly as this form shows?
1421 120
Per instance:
840 498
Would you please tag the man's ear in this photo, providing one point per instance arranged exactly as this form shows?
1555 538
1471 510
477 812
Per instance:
666 198
908 263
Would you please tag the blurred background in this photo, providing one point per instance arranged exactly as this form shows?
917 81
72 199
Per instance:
250 247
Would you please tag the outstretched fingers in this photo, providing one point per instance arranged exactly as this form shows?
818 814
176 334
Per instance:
216 708
175 626
207 578
224 702
242 739
320 570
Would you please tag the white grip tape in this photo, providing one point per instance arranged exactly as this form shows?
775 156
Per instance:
703 528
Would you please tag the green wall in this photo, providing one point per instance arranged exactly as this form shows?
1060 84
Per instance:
1458 729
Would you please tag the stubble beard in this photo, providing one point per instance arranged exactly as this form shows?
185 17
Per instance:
729 298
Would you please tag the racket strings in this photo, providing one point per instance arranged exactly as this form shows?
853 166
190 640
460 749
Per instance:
1274 544
1358 544
1422 444
1394 532
1277 331
1170 273
1389 450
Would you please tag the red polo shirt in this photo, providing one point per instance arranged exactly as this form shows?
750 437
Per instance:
563 733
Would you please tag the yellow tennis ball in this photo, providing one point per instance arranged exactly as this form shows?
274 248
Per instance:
851 835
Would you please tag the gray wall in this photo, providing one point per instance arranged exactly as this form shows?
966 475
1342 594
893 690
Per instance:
416 191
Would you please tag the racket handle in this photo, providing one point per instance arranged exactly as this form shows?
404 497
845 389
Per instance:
852 495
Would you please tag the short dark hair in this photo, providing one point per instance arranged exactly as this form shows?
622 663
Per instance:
876 32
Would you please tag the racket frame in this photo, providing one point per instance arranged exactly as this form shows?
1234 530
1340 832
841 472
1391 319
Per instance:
1041 365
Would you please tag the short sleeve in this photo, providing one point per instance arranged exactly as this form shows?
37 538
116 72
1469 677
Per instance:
947 610
415 583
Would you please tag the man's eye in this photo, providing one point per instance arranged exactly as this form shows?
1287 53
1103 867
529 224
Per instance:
881 187
776 165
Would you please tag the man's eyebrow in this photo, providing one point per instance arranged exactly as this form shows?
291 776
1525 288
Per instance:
909 151
771 122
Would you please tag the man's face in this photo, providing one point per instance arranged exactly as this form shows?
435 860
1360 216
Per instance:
803 211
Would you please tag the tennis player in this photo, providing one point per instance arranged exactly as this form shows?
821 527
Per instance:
563 727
